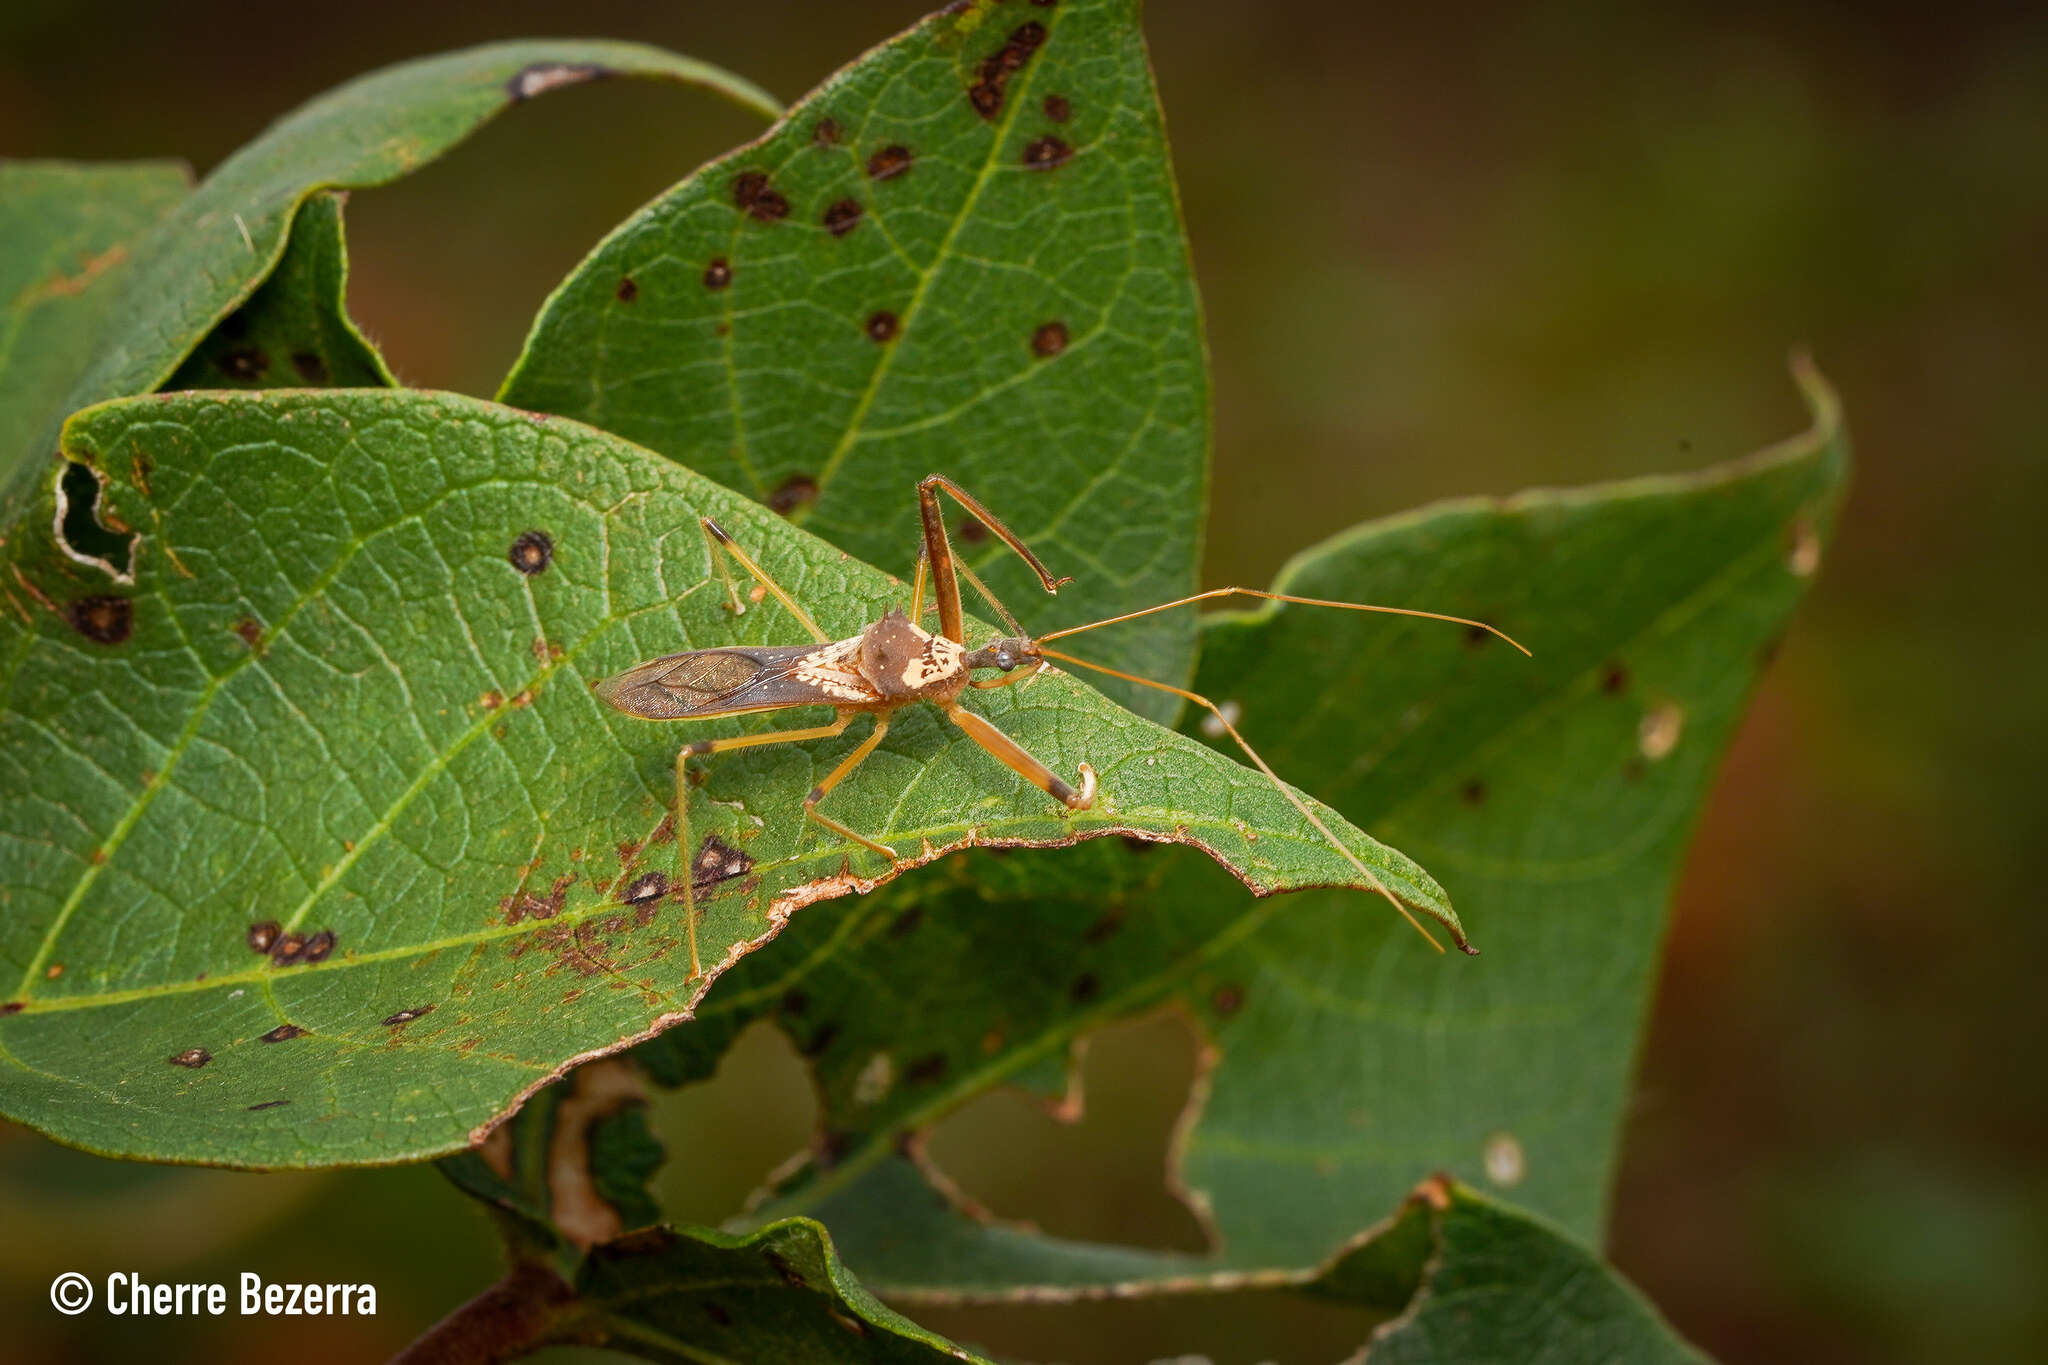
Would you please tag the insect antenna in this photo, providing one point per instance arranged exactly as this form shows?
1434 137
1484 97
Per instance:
1284 597
1279 786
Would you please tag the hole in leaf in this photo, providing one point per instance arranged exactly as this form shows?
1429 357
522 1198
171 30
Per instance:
1104 1177
85 538
730 1132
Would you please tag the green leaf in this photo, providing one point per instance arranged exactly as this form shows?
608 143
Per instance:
295 330
693 1295
963 254
1501 1285
330 702
206 256
570 1169
1343 1062
67 233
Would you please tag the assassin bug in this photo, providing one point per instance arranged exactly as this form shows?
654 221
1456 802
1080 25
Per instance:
894 662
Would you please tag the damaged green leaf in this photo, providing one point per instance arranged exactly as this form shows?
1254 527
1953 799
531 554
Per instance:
1344 1065
339 731
888 285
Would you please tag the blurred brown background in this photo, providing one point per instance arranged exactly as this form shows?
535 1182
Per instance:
1464 250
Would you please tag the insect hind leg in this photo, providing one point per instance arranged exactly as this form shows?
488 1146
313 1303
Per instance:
685 852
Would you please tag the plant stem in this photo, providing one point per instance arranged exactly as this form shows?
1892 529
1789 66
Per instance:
515 1316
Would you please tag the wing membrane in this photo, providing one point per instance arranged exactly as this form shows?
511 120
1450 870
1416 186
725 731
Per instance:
732 680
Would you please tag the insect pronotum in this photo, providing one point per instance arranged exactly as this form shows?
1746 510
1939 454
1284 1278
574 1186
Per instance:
894 662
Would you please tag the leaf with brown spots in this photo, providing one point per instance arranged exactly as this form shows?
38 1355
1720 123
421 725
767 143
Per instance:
214 248
68 234
294 331
1348 1062
393 802
911 273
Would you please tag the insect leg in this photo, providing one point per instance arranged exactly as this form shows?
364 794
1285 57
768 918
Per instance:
940 550
1019 760
847 765
689 870
685 851
717 539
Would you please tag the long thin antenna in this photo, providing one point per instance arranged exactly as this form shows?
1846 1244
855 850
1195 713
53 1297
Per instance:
1283 597
1271 776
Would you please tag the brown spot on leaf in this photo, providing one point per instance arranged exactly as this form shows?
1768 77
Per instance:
1227 1000
310 366
1105 928
1613 679
798 490
926 1069
194 1057
826 134
261 935
267 1104
288 949
717 861
531 552
783 1268
1477 637
889 163
528 905
251 633
718 273
283 1033
53 971
1046 153
12 1007
103 620
990 78
1473 793
648 886
1085 988
1049 340
245 364
971 531
407 1016
882 326
842 217
628 290
757 198
906 922
319 946
1058 109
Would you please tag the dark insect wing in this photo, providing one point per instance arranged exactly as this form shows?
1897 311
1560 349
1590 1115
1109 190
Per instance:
716 682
